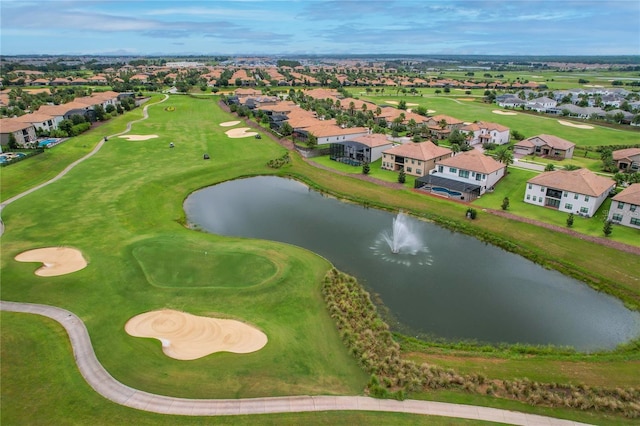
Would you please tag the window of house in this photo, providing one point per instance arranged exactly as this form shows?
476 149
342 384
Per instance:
586 198
616 217
632 207
535 198
568 206
584 210
564 194
464 174
419 163
541 189
453 170
575 196
479 176
529 186
419 171
635 221
440 168
408 169
620 205
528 197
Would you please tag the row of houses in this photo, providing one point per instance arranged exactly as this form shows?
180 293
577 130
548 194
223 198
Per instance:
464 176
48 117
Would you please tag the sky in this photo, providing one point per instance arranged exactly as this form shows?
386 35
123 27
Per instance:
319 27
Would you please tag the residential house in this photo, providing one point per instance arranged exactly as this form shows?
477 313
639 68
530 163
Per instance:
361 149
327 132
627 160
40 121
625 207
482 132
441 126
465 176
416 159
577 191
512 101
541 104
545 145
24 133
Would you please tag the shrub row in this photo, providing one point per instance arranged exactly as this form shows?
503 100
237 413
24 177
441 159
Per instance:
370 341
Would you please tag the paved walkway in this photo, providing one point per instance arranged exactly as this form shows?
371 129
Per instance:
104 384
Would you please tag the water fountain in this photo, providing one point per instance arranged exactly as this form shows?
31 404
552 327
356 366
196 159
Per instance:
402 238
402 244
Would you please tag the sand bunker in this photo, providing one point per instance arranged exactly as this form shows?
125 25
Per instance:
56 260
577 126
186 337
465 99
396 103
242 132
497 111
138 137
229 123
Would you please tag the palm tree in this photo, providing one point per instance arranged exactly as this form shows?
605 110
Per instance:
504 155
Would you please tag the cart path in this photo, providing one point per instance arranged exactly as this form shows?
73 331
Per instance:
67 169
104 384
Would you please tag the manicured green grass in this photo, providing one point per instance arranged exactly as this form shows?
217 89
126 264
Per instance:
123 209
50 390
199 267
528 124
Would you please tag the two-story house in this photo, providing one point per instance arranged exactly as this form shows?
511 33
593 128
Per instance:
415 159
482 132
465 176
625 207
577 191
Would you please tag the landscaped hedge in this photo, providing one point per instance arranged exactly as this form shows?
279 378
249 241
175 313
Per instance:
369 340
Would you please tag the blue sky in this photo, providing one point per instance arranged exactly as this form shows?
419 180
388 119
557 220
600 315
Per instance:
491 27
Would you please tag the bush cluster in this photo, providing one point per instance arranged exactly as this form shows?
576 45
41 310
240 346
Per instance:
371 343
279 162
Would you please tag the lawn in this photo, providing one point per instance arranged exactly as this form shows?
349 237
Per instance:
123 209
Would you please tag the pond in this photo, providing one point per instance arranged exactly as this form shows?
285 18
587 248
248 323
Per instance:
438 283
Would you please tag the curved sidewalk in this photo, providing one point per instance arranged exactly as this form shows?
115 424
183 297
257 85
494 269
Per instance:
104 384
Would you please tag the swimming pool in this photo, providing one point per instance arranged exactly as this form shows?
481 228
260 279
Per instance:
446 191
7 157
46 142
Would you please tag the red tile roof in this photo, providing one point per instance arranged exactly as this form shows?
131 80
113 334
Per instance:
420 151
630 195
581 181
474 161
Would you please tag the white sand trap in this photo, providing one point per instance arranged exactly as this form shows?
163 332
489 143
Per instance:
412 104
466 99
391 102
242 132
138 137
497 111
229 123
186 337
56 260
431 111
577 126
